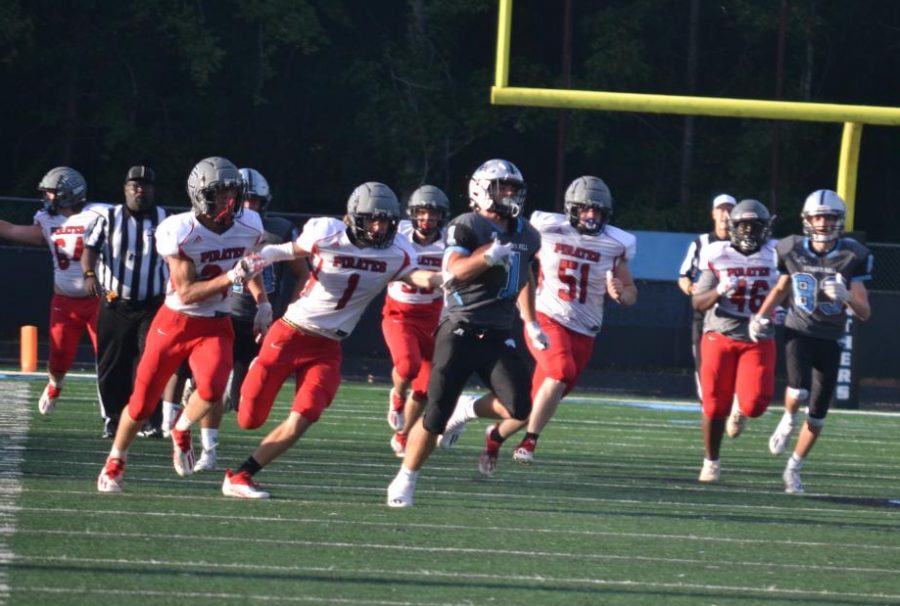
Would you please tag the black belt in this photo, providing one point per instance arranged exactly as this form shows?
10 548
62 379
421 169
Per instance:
134 305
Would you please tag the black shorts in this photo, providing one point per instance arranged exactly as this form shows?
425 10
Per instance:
494 355
812 364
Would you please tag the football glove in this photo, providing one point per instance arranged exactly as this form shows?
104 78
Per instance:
727 286
246 268
760 328
836 290
263 319
539 339
497 253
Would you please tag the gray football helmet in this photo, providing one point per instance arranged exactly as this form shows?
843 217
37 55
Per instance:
209 176
369 201
256 186
498 186
824 202
68 186
748 226
432 198
588 192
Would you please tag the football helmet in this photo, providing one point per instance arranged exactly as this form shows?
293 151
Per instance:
824 202
370 201
588 192
256 186
498 186
431 198
210 176
748 226
68 186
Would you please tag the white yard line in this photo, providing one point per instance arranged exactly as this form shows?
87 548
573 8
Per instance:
14 415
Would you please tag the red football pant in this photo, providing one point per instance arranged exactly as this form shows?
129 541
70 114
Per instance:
206 343
411 343
730 367
70 317
565 359
315 363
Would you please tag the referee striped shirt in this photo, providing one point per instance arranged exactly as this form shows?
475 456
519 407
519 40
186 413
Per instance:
129 264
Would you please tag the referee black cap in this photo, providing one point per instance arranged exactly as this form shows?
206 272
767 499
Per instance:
141 173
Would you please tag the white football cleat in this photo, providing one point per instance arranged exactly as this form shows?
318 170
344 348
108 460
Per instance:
182 452
207 461
111 477
736 423
792 482
46 404
395 411
710 471
241 485
781 437
400 492
456 424
524 452
487 461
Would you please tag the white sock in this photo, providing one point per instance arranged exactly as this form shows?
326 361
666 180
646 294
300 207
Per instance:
170 410
115 453
790 417
183 423
712 461
209 436
795 462
57 384
408 474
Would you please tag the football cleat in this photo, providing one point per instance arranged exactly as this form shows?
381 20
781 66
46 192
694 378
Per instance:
241 485
487 462
111 477
792 482
524 452
207 461
400 492
398 444
736 423
48 399
710 471
456 424
182 452
781 437
395 411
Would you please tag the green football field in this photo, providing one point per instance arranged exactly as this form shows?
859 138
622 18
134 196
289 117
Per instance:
611 513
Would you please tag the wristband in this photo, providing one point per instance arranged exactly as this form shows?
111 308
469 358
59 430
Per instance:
90 274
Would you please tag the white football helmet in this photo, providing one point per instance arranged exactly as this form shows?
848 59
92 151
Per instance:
432 198
824 202
209 176
369 201
588 192
498 186
256 186
68 186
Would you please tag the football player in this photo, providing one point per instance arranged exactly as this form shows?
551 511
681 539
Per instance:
410 315
736 277
205 250
823 275
352 261
62 224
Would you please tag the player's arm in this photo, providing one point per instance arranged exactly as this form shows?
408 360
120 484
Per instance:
686 286
88 267
688 269
776 296
27 234
620 286
423 278
705 293
859 300
466 267
191 289
525 300
300 270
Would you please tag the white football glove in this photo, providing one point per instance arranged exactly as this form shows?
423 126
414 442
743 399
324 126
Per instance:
263 319
836 290
727 286
760 328
498 254
246 268
539 339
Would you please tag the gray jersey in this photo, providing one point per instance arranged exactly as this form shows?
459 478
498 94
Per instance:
277 231
811 312
489 301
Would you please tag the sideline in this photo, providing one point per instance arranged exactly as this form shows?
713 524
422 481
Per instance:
14 418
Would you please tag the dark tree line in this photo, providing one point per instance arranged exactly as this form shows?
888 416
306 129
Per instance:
321 95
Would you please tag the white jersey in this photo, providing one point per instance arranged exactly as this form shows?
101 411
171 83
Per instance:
757 273
426 256
572 282
65 238
183 236
344 277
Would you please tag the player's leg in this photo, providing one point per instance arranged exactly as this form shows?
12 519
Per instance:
402 341
245 349
798 364
65 332
717 380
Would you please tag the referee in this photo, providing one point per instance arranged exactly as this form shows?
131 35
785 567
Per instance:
131 278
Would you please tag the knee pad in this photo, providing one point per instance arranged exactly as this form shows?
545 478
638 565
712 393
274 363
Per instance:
800 395
814 422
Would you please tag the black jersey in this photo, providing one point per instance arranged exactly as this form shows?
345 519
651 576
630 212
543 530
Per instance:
811 312
489 301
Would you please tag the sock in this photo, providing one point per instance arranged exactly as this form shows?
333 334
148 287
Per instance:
469 409
790 417
115 453
251 466
408 474
713 461
531 436
170 411
183 423
209 437
495 435
53 389
795 462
